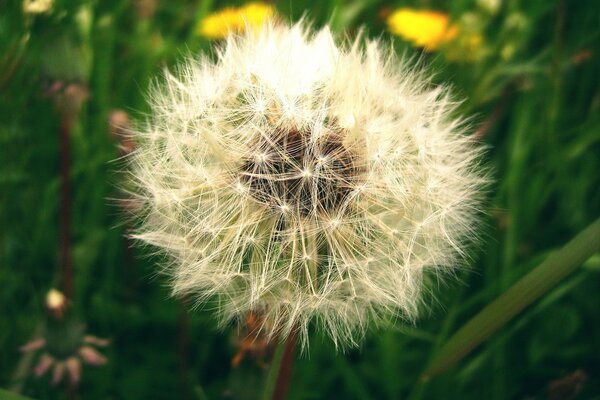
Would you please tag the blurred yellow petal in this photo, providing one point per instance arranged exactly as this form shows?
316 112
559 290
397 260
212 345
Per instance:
255 14
427 29
218 25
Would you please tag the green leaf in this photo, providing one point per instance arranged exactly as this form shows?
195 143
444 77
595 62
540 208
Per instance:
531 287
6 395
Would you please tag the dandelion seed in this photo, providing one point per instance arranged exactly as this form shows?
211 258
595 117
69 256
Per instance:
330 206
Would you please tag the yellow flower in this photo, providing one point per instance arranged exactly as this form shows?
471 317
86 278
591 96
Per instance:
427 29
236 19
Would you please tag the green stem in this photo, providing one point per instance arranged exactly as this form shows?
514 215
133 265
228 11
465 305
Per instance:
281 366
274 371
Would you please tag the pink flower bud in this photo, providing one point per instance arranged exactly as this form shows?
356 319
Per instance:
91 339
74 369
92 357
43 365
33 345
57 374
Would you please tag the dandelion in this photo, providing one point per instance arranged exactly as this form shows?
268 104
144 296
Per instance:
427 29
235 19
305 181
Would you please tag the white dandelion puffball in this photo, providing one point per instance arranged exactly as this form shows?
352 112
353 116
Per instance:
305 181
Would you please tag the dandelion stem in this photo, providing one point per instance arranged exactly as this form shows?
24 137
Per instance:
278 379
184 349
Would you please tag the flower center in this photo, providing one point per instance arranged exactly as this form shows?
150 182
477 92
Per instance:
292 172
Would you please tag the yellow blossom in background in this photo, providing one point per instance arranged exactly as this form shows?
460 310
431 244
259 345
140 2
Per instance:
427 29
236 19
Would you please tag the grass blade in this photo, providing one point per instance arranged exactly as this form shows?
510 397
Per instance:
531 287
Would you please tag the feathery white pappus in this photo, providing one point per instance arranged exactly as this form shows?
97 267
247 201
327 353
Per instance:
305 181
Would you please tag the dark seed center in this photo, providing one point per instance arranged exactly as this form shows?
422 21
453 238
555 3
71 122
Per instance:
290 172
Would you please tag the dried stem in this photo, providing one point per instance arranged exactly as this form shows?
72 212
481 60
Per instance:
285 371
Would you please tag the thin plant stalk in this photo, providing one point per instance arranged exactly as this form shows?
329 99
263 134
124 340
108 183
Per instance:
285 371
65 256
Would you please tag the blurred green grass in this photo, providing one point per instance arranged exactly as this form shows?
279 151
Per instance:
536 91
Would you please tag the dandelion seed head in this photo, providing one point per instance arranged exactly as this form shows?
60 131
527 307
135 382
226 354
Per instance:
306 181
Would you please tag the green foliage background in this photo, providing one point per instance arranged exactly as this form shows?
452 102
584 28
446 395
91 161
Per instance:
536 88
